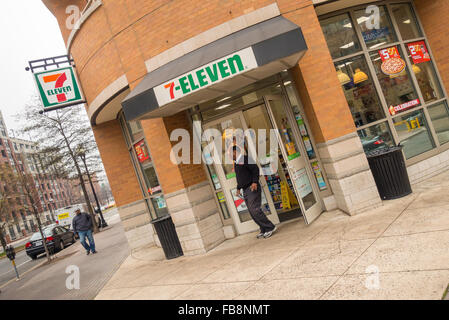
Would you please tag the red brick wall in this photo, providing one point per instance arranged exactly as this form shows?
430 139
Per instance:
117 162
434 15
121 35
172 177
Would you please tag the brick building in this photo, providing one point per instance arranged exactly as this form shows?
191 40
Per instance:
333 79
51 187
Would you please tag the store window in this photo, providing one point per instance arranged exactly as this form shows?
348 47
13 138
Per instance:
340 35
357 83
375 137
439 114
207 158
414 134
392 87
143 163
406 21
375 33
424 71
394 78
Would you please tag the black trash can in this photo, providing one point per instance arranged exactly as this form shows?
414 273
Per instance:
390 173
168 237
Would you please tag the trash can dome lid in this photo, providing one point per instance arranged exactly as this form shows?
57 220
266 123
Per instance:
167 216
382 151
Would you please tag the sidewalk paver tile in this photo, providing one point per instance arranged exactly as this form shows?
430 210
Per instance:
410 285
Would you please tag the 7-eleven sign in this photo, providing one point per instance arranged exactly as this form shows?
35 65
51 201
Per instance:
58 88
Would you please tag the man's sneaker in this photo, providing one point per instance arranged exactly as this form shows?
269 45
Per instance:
269 233
94 252
260 235
88 252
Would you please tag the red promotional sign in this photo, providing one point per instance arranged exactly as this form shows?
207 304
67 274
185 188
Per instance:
403 106
141 151
388 53
418 51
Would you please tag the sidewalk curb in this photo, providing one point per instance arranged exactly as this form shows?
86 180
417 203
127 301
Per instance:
53 257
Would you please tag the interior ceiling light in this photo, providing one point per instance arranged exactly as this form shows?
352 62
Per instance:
377 45
359 76
406 21
416 69
343 77
225 98
223 106
346 46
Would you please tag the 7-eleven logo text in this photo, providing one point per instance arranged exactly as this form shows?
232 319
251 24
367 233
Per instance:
59 89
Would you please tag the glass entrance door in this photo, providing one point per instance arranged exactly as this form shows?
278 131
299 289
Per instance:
225 171
293 153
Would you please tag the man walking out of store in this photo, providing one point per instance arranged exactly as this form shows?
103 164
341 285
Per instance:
82 224
247 174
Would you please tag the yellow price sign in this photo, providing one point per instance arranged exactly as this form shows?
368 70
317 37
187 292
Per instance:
63 216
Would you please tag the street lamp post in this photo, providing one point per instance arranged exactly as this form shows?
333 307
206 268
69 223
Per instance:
82 155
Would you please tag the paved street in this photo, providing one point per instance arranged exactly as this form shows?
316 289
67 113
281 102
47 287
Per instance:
49 281
23 263
398 251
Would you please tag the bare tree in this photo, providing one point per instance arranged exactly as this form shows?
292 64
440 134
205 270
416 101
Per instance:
8 194
62 133
21 183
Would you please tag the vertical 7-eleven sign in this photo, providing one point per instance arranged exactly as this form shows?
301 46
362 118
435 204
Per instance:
58 88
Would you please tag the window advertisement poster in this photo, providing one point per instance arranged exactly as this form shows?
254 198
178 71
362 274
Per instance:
302 182
141 151
161 202
419 52
392 63
318 175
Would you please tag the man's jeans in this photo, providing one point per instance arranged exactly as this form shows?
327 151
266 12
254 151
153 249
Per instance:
90 237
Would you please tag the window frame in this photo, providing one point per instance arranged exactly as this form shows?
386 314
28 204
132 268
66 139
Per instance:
138 169
401 43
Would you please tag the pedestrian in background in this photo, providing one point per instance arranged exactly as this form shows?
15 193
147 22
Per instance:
82 224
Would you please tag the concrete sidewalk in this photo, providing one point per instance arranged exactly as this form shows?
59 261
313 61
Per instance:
399 251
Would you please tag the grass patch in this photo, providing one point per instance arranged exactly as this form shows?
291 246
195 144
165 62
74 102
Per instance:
18 249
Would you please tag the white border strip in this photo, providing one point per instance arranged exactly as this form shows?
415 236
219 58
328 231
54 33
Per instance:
107 93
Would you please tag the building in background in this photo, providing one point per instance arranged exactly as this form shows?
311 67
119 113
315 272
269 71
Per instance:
102 191
52 186
335 79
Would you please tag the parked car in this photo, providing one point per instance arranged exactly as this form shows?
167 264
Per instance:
373 143
57 237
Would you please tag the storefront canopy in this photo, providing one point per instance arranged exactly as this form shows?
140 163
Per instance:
220 67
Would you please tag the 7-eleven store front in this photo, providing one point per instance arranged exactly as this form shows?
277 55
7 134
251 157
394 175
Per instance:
243 84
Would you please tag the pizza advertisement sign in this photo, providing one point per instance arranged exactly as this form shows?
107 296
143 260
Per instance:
392 63
141 151
419 52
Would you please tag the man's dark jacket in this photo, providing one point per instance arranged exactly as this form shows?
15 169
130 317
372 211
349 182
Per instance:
246 172
82 222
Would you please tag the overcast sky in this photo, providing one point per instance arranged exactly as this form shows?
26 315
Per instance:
28 31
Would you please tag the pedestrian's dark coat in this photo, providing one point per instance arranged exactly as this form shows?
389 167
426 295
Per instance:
82 222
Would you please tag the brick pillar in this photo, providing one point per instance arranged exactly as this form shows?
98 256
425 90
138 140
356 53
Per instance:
189 197
331 122
433 16
124 184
